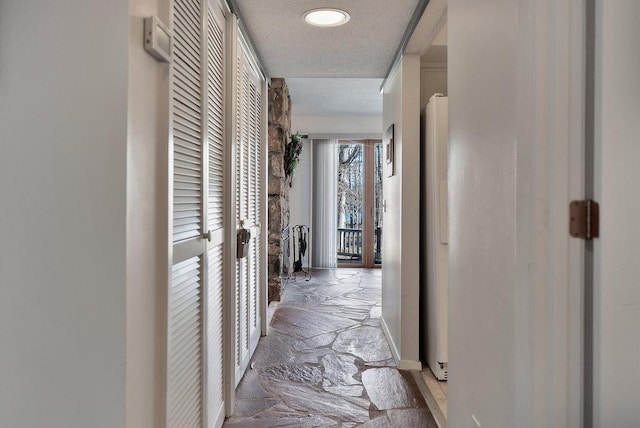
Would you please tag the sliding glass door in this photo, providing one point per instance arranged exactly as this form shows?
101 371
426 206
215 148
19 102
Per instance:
378 155
359 203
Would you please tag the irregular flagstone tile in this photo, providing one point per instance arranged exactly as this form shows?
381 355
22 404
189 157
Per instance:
346 391
284 409
337 290
315 342
391 362
385 363
304 398
250 387
354 313
388 389
370 282
288 386
348 302
249 407
311 357
374 322
366 342
380 422
369 295
375 312
363 402
315 294
294 373
379 364
346 272
340 369
304 324
274 349
418 418
275 419
301 298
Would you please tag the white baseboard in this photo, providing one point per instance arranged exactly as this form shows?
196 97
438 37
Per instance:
392 344
410 365
402 364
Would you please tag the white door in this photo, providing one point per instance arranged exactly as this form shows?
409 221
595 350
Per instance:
216 171
616 293
249 207
195 384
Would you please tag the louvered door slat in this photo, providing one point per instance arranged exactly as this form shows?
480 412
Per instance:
256 196
186 56
249 195
186 72
245 144
214 94
189 133
238 329
188 166
185 326
186 100
184 166
215 120
239 142
215 332
187 39
185 321
185 106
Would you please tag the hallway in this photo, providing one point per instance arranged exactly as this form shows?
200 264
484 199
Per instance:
326 362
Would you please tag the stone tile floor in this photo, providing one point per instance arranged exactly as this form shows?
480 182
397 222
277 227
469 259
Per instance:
326 362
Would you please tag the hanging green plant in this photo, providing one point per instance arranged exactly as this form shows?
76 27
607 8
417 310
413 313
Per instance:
292 154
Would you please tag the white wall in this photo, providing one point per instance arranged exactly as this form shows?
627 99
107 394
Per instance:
482 186
515 161
63 148
146 222
346 125
616 290
433 79
400 241
82 227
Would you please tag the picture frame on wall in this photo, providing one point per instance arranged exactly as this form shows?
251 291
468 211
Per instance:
389 150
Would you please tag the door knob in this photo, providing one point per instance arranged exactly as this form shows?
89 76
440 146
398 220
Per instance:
207 236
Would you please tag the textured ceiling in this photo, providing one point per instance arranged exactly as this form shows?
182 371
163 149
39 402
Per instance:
336 96
329 71
364 47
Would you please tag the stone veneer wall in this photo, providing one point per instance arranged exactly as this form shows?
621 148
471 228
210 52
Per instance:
279 133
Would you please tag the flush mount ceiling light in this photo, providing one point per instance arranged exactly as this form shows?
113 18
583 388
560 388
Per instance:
326 17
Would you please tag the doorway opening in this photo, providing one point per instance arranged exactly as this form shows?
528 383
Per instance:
359 203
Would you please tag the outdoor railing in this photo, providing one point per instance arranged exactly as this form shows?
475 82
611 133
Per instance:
378 244
349 244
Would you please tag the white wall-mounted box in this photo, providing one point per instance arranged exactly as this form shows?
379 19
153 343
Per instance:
157 39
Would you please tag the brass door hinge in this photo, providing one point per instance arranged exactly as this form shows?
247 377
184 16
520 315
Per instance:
584 219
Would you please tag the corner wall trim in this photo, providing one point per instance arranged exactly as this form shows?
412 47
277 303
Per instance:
413 23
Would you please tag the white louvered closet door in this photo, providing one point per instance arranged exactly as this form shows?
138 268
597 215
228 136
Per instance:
216 171
249 197
195 385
